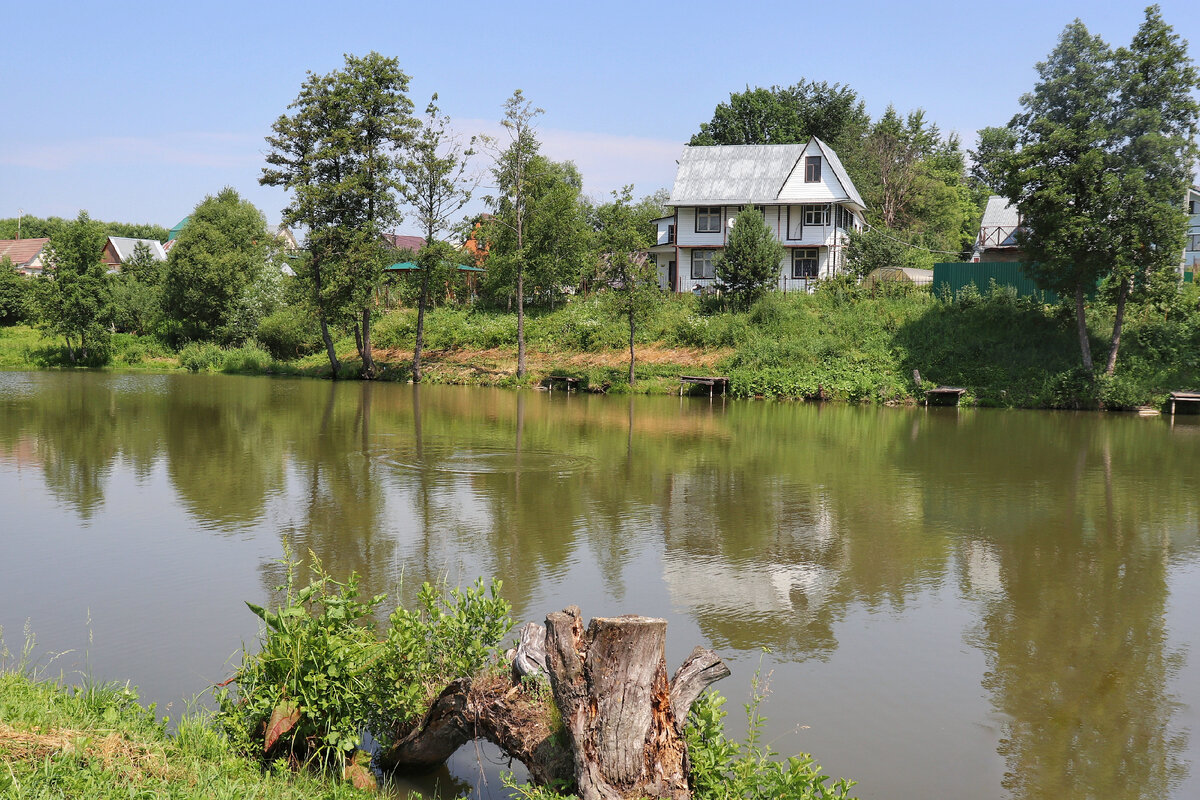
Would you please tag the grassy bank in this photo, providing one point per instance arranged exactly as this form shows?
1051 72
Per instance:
97 742
838 344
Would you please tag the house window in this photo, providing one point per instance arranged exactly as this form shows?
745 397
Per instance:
804 262
812 169
1191 206
670 234
708 220
816 215
1195 242
702 264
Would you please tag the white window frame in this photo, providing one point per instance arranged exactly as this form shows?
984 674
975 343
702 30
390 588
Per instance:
815 215
711 217
802 256
703 258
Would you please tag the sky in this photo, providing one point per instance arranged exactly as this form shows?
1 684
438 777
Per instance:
136 111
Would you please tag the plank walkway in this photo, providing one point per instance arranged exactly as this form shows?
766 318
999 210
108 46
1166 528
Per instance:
569 382
1183 397
711 381
944 395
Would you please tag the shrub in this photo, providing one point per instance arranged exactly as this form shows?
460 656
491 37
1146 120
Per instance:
397 330
723 769
289 333
199 356
249 358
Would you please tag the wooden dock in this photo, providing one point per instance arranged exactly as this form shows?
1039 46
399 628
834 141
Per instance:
944 395
566 380
711 381
1192 398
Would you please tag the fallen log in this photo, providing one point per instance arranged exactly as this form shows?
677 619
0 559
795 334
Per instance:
613 729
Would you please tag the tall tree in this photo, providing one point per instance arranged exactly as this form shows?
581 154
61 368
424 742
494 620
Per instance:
15 294
514 180
339 154
1155 130
1098 164
216 260
630 275
751 260
437 187
1061 173
74 297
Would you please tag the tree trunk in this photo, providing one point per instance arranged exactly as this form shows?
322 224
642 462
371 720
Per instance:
520 320
624 718
367 359
334 364
421 301
1118 322
1085 345
631 330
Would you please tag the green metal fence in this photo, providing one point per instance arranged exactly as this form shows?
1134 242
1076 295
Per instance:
954 276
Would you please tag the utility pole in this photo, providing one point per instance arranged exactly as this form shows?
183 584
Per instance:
20 213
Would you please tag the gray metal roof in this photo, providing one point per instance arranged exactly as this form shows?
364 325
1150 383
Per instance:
124 246
746 173
999 213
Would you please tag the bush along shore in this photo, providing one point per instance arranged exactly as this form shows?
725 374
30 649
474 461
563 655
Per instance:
293 719
840 343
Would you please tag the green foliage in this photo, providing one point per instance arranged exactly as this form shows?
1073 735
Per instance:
120 749
723 769
249 359
316 655
322 676
448 636
213 270
16 295
40 227
200 356
74 295
339 154
750 262
290 333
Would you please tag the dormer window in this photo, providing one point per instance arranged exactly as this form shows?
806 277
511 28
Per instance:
812 169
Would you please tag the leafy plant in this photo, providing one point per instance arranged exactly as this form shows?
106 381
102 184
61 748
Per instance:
723 769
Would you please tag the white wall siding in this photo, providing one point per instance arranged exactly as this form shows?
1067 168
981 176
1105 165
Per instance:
828 189
686 232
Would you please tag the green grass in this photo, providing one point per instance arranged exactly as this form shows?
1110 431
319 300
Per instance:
97 742
838 344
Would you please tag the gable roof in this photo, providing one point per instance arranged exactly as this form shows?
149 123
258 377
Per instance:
123 246
22 251
999 225
747 173
400 242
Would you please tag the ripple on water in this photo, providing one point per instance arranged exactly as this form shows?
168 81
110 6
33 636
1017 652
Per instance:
461 460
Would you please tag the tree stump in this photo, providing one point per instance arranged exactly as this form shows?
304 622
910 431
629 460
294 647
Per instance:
624 717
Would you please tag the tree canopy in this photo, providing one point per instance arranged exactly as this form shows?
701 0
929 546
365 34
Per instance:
749 264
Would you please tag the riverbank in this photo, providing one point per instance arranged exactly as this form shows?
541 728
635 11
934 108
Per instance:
96 742
839 345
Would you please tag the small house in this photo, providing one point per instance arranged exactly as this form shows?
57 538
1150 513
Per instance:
27 255
997 240
119 249
802 190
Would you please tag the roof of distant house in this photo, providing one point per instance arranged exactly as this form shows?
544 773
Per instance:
178 227
400 242
124 246
999 225
21 251
747 173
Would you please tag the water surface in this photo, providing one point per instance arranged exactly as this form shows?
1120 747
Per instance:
950 603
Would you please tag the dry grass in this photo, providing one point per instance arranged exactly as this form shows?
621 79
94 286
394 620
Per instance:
114 751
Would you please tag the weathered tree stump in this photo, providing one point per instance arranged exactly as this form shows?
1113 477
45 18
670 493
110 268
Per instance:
624 718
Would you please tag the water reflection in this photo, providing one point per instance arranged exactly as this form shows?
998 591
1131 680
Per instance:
753 525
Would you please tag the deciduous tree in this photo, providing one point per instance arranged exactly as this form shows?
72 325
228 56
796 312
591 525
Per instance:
74 293
631 276
339 154
436 186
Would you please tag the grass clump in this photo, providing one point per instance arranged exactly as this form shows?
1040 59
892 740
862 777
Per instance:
97 742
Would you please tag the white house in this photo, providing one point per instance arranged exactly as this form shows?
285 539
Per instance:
802 190
997 240
1191 250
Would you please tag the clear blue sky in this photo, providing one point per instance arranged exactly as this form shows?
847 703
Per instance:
135 111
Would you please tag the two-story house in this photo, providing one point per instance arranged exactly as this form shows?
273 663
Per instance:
1191 250
802 190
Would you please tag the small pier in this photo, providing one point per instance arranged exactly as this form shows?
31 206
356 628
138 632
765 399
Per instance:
711 381
944 395
1189 401
566 381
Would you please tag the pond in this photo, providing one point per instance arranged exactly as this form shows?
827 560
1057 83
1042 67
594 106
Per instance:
949 603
